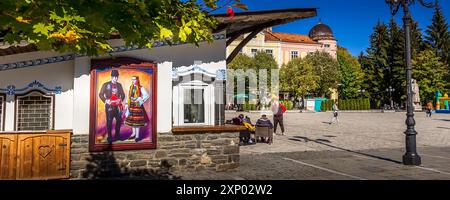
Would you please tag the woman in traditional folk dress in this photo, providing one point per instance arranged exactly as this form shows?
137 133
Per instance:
136 116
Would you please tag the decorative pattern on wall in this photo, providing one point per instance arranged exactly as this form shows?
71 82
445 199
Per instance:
219 75
62 58
11 89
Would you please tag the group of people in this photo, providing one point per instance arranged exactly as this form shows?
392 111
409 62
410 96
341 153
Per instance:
117 106
278 110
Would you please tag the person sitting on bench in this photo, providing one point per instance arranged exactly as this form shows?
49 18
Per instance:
264 121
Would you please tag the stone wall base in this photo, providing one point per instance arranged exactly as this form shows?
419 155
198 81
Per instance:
217 152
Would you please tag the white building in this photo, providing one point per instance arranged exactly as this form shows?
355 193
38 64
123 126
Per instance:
43 93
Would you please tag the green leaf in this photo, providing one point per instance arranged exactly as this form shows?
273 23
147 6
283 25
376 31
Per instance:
182 35
41 28
165 33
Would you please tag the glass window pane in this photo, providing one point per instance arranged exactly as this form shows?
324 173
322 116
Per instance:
194 106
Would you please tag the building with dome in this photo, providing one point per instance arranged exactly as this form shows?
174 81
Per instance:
286 46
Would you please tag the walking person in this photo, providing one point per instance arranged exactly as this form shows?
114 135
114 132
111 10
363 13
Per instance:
335 113
278 110
429 109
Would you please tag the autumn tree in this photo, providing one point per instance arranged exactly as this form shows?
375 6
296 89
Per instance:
298 77
326 68
430 74
84 26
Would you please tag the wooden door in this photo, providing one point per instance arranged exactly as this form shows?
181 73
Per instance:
43 156
8 149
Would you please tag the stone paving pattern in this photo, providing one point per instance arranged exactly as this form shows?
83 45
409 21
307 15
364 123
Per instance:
363 146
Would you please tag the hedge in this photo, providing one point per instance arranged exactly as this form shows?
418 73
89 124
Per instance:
288 104
349 104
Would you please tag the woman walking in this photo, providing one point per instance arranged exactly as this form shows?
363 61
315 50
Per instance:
335 113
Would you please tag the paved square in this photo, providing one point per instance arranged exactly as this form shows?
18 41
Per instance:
364 146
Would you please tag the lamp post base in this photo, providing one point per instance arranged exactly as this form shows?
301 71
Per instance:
412 159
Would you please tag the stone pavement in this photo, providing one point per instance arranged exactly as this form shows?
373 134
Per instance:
364 146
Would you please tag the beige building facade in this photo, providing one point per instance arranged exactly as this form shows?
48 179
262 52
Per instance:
286 46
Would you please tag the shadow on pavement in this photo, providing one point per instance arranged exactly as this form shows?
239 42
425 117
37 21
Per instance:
443 127
321 141
105 166
445 120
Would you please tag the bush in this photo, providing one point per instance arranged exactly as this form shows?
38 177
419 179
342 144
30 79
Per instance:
349 104
323 106
288 104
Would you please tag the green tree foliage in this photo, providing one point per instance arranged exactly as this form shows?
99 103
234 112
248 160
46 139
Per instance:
263 60
430 74
84 26
326 68
246 67
396 73
351 74
438 35
241 61
298 77
376 62
384 65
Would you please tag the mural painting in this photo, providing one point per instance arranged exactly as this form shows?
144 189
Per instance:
123 104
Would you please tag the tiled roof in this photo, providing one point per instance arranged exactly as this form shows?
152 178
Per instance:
288 37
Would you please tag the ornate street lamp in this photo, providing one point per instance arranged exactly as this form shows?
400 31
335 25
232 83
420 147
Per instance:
390 90
362 92
411 157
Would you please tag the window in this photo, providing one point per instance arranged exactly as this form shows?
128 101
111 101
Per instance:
254 51
2 108
194 106
34 111
269 51
193 103
327 45
294 54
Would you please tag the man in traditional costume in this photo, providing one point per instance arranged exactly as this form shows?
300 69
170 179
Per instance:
112 95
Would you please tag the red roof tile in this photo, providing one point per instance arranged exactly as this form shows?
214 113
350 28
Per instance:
288 37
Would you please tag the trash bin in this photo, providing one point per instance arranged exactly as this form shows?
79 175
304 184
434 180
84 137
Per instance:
318 104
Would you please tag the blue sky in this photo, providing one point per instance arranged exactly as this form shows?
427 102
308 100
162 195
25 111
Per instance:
352 21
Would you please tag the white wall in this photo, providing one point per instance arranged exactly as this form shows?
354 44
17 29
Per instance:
51 75
73 105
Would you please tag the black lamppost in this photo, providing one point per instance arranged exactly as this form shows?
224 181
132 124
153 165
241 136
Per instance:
362 92
411 157
390 90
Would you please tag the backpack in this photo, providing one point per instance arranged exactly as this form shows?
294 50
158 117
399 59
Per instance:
283 108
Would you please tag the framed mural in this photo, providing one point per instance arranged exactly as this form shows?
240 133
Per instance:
123 104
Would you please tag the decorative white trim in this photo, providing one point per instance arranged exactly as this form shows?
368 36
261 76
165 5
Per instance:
63 58
11 89
220 74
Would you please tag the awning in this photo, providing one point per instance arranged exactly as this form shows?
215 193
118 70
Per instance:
246 22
